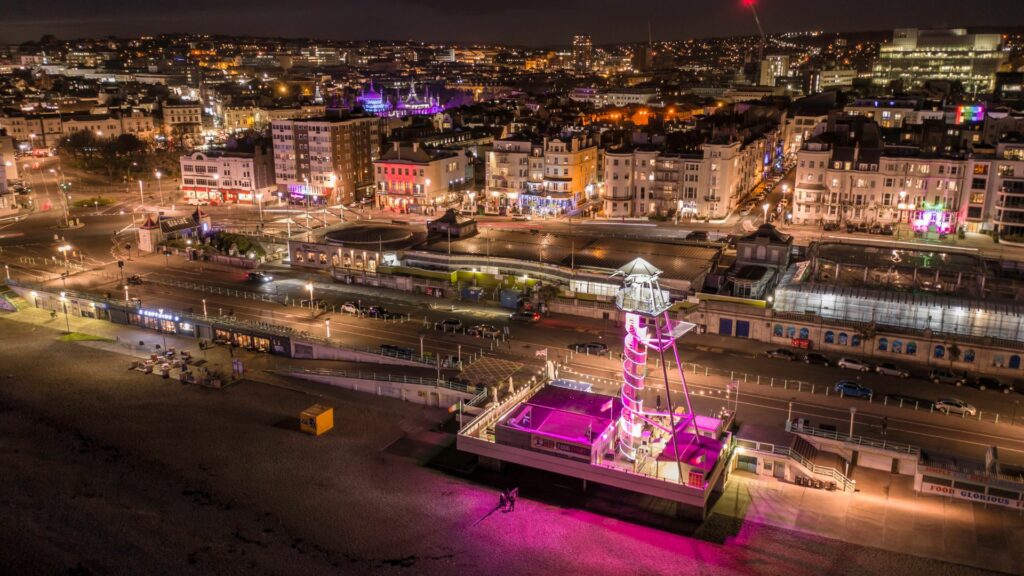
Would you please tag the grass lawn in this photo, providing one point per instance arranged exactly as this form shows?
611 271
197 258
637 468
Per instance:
79 337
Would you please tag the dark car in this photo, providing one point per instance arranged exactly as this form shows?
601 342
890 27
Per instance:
815 358
259 277
830 226
986 383
378 312
524 316
781 353
448 325
851 388
590 347
135 279
697 235
887 230
396 351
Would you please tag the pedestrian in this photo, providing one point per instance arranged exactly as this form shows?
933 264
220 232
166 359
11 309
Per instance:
512 495
885 424
503 500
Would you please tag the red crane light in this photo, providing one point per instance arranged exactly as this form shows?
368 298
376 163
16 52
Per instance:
749 3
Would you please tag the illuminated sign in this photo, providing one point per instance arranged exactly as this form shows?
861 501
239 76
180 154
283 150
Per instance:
159 314
970 495
970 114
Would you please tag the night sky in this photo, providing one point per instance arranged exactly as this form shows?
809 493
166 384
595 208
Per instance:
529 22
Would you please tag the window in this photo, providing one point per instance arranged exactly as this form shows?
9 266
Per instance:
844 339
969 355
883 344
1014 362
777 331
940 351
791 332
897 346
911 348
997 360
830 337
805 333
855 340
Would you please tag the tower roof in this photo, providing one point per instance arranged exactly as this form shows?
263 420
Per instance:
638 267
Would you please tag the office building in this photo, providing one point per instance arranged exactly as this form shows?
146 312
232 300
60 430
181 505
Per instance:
915 56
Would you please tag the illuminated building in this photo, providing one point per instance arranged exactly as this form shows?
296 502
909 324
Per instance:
915 55
537 176
220 177
412 178
327 159
378 104
582 52
772 67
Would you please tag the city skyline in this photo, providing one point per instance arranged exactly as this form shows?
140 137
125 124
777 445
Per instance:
528 23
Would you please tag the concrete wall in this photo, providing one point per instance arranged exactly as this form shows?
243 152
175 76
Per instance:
420 394
320 351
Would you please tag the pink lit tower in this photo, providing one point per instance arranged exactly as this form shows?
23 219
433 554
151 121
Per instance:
648 329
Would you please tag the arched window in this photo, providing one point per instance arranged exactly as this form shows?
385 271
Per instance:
883 344
805 333
939 352
830 337
791 332
897 347
844 339
1014 361
969 355
911 347
855 340
778 330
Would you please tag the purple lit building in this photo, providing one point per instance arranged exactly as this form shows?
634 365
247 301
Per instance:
377 103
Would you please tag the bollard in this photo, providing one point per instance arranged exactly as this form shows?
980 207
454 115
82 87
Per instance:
979 415
759 379
997 417
705 370
744 377
841 394
812 387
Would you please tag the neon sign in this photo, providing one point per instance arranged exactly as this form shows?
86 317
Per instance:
159 314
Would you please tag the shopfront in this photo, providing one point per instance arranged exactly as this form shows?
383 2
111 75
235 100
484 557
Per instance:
161 321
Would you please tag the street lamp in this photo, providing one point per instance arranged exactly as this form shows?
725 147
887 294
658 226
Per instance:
64 303
853 412
63 249
766 206
205 315
259 202
309 286
142 198
159 188
327 327
126 299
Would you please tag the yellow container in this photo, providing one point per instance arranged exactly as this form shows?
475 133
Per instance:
316 419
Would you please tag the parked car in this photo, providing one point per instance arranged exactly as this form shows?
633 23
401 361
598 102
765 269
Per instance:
379 312
697 235
853 364
135 279
259 277
851 388
945 376
986 383
887 230
350 308
483 331
448 324
524 316
830 226
590 347
396 351
890 369
521 218
815 358
781 353
955 406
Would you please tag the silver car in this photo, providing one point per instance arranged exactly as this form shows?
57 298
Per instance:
853 364
955 406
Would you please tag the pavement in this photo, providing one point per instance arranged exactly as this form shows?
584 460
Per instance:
884 513
190 481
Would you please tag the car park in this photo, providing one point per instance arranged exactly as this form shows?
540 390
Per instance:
448 325
815 358
851 388
945 376
781 353
890 369
590 347
955 406
259 277
524 316
483 331
853 364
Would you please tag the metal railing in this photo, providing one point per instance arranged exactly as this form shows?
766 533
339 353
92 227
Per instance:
388 377
847 484
858 440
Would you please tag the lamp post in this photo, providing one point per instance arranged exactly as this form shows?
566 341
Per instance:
259 202
142 199
64 303
901 211
766 206
159 188
309 286
205 315
853 412
327 328
126 299
63 249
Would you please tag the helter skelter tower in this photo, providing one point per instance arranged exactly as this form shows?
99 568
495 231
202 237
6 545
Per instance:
648 328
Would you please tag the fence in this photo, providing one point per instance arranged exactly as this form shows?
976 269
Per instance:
858 440
388 377
847 484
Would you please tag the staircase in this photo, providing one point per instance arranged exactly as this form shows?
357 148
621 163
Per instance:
10 301
806 455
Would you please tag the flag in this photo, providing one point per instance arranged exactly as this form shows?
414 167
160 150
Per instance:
543 353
